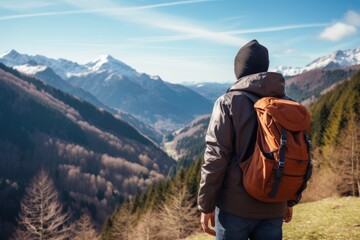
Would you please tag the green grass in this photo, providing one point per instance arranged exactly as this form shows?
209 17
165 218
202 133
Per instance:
337 218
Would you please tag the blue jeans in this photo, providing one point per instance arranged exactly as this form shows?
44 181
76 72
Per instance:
231 227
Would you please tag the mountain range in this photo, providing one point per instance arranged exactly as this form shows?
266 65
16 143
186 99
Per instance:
306 87
73 120
152 105
337 59
95 158
209 90
310 85
302 84
164 105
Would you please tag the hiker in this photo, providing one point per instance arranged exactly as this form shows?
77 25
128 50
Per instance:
230 140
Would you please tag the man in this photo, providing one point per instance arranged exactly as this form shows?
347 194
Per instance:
230 139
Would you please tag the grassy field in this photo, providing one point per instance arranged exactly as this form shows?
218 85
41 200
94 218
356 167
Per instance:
337 218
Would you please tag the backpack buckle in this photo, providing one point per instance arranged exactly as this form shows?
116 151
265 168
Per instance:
281 165
283 138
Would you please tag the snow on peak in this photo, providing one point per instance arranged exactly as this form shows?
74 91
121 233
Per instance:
11 53
103 58
288 71
13 58
106 57
107 62
336 59
98 62
155 77
30 69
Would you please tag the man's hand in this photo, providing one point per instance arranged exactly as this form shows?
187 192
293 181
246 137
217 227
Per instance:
205 217
288 215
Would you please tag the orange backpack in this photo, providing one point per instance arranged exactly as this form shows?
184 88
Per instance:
280 165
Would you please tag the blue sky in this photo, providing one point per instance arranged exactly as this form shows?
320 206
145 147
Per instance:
181 41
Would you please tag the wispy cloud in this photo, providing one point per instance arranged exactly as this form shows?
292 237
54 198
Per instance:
165 38
192 32
278 28
186 28
112 10
110 46
170 38
142 15
19 5
342 29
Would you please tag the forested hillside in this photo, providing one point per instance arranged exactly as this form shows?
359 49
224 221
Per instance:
336 155
187 144
333 112
336 141
167 210
95 159
310 85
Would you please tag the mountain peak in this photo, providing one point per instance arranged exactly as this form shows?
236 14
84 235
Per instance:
12 53
336 59
108 62
106 57
338 53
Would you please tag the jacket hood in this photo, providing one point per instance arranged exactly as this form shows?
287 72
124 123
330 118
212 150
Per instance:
265 84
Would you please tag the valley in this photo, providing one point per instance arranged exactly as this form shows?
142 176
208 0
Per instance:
113 138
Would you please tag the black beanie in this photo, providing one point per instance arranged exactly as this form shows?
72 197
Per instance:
251 58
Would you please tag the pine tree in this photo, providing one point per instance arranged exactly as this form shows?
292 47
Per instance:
84 229
123 223
348 155
148 226
193 177
178 217
41 215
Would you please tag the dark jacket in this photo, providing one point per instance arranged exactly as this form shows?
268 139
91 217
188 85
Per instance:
230 139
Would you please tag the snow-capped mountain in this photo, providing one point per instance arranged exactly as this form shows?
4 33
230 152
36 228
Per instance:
61 66
336 59
164 105
109 63
13 58
66 69
288 71
48 75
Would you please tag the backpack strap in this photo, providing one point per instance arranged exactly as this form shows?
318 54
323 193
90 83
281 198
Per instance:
254 97
283 141
251 96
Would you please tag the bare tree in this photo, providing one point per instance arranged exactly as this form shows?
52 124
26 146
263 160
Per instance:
348 156
41 215
147 227
178 216
84 229
123 224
